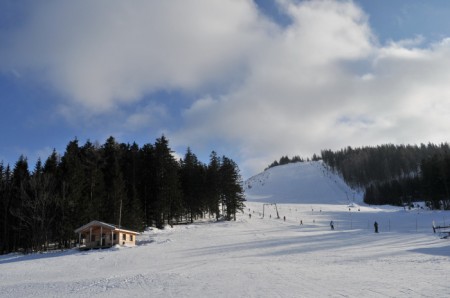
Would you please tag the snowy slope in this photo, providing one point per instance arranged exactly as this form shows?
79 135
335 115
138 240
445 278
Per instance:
252 257
302 182
258 256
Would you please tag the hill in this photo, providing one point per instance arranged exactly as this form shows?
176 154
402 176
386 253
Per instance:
303 183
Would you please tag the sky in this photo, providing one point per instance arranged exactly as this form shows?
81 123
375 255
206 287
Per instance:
252 80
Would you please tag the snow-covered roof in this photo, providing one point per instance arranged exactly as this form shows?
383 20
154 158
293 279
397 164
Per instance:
95 223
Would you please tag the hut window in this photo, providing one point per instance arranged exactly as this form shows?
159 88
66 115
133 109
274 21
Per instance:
114 237
124 236
131 237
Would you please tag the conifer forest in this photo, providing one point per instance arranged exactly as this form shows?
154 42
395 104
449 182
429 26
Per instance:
391 174
122 184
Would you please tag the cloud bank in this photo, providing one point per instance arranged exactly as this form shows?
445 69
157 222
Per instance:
264 90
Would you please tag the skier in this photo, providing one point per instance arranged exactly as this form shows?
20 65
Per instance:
284 218
332 225
301 222
375 225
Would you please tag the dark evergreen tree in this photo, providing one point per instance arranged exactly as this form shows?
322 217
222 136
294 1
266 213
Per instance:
60 231
19 234
5 208
112 206
168 196
192 177
132 215
39 210
232 193
73 201
93 190
436 180
147 184
213 185
284 160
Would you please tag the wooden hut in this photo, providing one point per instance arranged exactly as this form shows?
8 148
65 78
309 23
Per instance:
97 234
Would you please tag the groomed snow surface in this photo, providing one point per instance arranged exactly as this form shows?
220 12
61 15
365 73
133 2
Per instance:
305 182
255 256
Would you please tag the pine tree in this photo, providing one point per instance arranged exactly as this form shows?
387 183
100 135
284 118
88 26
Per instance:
192 178
93 185
168 196
132 213
59 230
19 233
73 202
115 193
38 210
213 185
231 188
3 223
147 183
5 206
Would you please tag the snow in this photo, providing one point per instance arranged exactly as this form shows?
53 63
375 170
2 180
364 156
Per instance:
306 182
255 256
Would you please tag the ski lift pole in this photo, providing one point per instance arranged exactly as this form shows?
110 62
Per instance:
276 208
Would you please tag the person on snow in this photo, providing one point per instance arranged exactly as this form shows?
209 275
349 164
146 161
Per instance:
332 225
375 225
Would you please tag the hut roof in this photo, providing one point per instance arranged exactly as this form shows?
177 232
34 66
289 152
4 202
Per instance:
96 223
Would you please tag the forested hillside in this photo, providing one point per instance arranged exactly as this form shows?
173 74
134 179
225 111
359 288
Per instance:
392 174
121 184
396 175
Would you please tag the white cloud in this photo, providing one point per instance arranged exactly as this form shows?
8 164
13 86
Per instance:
103 53
149 115
303 95
296 89
321 82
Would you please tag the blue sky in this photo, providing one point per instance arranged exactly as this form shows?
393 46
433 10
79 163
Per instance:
252 80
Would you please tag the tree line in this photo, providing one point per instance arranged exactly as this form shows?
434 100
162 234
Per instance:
396 174
123 184
284 160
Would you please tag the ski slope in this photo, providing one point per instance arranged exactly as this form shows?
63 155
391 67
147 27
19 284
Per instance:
302 182
257 256
252 257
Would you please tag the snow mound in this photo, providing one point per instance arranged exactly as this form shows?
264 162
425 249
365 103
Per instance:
302 182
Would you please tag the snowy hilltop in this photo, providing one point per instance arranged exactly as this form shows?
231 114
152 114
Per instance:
302 182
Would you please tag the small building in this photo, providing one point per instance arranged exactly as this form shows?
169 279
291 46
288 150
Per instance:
97 234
